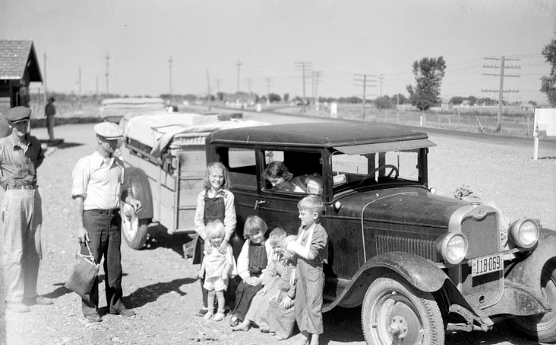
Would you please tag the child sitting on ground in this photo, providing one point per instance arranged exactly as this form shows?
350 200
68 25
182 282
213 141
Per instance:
258 311
216 268
251 263
311 251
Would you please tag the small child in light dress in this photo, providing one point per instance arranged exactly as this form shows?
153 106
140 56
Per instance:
216 268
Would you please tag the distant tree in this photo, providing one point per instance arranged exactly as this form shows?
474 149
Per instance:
383 102
533 103
398 99
220 96
457 100
472 100
286 97
274 97
548 83
428 76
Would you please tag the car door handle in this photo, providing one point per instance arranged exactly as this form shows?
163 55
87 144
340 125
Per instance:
258 203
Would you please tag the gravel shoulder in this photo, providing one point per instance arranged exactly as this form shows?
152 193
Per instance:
161 285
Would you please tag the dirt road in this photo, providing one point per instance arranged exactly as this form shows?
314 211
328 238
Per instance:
161 285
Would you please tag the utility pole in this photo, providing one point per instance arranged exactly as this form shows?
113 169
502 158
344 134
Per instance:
305 66
365 79
106 74
96 90
381 77
268 81
45 89
208 88
238 64
316 80
79 94
170 65
501 90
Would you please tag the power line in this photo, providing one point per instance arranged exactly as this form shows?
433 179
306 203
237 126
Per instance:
501 90
365 79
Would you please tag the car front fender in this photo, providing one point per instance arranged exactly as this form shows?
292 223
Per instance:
138 183
527 273
419 272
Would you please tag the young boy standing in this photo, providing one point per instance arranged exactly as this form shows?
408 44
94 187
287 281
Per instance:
311 248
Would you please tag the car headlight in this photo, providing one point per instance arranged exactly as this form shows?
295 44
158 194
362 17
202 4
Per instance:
452 246
524 233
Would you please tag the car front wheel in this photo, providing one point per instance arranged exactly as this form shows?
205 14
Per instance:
541 327
394 312
133 228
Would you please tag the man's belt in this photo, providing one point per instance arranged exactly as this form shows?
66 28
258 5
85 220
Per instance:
27 186
104 211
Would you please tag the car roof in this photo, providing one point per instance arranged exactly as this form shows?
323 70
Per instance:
348 137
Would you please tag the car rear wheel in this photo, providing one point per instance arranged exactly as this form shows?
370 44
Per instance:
541 327
134 229
394 312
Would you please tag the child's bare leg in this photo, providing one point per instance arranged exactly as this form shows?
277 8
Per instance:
219 316
314 339
210 302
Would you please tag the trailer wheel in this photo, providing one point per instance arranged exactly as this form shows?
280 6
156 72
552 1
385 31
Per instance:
134 229
394 312
541 328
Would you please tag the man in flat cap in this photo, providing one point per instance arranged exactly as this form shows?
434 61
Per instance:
20 156
97 190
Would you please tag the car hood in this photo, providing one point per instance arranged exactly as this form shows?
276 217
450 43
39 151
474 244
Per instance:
407 206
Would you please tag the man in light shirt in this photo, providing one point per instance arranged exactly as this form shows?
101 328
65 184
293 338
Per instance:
97 192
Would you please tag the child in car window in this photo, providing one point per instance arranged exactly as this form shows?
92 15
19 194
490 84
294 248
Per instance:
281 179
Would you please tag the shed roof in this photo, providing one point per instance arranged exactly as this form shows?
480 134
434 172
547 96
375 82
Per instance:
15 56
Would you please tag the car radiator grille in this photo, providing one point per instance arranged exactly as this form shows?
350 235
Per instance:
423 248
484 239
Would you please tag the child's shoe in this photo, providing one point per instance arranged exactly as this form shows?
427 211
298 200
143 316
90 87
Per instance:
218 317
208 315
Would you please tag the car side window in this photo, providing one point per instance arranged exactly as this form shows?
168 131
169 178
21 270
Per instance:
304 172
241 164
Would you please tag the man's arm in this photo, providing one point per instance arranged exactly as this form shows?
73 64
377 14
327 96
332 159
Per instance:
82 233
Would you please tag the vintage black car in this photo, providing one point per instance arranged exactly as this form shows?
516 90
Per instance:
418 263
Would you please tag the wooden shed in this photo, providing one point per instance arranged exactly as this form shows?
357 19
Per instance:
18 68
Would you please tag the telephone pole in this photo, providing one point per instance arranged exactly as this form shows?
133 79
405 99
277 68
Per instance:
79 94
501 90
238 64
106 74
268 81
381 78
170 65
316 80
45 89
365 79
305 67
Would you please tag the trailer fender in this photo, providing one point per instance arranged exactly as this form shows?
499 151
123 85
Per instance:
138 183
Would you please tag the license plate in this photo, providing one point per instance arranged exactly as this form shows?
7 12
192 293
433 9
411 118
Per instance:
487 264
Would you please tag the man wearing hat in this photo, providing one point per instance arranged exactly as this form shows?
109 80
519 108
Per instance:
20 156
49 112
97 191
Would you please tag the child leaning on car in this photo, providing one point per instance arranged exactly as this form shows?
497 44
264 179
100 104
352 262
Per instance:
311 251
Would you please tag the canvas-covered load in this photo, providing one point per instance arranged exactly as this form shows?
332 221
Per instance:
175 131
115 109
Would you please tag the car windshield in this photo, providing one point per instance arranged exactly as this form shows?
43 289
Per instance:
352 170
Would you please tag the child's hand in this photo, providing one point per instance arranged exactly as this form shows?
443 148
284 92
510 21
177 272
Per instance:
275 297
200 274
287 302
223 246
225 276
254 281
262 291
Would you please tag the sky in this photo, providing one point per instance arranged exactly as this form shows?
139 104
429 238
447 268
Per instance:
149 47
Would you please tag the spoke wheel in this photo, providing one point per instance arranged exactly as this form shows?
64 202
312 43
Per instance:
394 312
133 228
541 327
